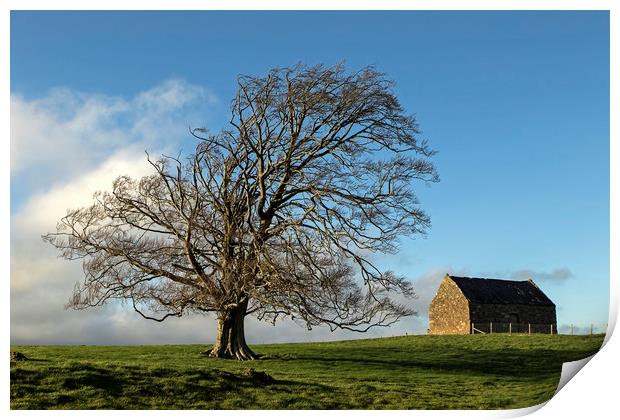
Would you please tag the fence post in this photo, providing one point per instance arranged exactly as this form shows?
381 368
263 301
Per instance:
591 328
490 327
529 329
510 328
472 328
571 329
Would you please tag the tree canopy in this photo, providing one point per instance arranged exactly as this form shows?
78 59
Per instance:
278 215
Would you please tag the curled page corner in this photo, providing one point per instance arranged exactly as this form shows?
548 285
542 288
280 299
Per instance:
570 369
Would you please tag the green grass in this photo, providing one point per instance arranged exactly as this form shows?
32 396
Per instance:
416 372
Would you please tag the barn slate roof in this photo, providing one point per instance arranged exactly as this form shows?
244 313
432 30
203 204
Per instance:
497 291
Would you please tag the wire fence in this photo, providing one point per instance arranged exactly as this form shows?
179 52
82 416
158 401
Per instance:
530 328
581 329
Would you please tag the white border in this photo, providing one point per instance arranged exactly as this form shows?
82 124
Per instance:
591 395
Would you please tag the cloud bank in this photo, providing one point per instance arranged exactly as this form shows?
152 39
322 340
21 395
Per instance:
64 147
67 134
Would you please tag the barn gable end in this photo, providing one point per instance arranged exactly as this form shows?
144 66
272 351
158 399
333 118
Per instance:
448 312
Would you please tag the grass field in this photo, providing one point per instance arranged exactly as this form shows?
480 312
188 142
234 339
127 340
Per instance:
415 372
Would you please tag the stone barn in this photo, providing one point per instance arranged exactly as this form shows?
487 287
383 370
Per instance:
464 305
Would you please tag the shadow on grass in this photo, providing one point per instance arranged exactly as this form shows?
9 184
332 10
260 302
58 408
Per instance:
93 377
518 363
132 387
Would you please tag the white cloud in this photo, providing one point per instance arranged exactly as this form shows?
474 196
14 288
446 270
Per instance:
67 133
64 147
557 275
40 282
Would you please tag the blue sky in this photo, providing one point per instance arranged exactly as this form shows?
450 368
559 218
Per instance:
516 103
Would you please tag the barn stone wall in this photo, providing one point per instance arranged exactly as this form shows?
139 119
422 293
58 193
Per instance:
518 316
448 312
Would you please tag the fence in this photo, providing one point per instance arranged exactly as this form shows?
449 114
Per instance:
528 328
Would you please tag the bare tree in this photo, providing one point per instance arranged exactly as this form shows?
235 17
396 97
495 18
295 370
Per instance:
277 216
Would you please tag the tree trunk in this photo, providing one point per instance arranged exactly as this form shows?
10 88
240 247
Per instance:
230 342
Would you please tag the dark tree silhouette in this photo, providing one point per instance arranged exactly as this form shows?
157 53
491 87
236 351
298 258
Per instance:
276 216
